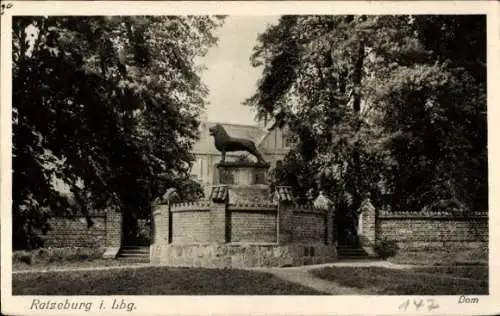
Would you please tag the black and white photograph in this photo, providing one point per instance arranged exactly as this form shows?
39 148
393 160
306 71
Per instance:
269 154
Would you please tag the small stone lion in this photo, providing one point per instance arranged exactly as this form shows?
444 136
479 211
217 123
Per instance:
225 143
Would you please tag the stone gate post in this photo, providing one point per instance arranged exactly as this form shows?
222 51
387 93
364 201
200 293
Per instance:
113 223
367 225
283 197
219 198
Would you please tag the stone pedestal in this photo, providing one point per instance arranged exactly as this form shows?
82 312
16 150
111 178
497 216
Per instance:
242 173
246 181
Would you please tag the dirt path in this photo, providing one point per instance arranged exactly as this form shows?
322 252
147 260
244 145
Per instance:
301 275
304 278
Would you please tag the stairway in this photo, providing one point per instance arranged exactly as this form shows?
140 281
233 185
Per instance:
134 254
350 252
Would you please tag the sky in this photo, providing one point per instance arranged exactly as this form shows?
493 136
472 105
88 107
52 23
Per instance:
229 76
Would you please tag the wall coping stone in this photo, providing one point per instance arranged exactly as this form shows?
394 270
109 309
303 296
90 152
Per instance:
308 208
435 214
189 209
243 243
243 164
190 244
283 194
78 216
252 207
189 204
219 193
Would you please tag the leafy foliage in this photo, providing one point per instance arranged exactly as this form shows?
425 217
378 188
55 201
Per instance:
391 106
105 108
190 191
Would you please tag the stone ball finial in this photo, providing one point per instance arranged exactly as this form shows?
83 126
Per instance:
322 201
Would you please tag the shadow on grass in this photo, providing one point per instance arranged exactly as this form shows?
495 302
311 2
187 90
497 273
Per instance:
475 272
156 281
404 282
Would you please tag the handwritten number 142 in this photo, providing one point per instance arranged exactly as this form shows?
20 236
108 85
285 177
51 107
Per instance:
418 304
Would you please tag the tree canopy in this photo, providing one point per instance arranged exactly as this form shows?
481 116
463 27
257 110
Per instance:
105 111
390 106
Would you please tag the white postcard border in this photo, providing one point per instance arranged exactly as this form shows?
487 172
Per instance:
255 305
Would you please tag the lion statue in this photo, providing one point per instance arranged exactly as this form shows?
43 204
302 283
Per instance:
225 143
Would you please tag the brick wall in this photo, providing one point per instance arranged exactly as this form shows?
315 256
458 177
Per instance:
221 223
309 227
74 232
190 226
432 229
247 235
218 223
252 226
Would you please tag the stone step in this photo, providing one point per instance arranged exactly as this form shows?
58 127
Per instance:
356 258
343 255
134 247
133 254
138 260
133 257
352 254
348 247
129 249
346 253
351 250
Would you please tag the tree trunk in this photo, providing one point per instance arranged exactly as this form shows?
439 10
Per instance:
357 76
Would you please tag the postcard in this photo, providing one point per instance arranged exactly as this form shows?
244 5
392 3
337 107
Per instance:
269 157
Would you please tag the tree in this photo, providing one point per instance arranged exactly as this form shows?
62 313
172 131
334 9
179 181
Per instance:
384 105
103 106
322 99
435 117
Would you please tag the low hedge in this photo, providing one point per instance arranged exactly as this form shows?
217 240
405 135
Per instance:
386 248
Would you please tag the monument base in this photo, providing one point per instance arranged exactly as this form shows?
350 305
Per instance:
246 181
234 255
241 173
241 226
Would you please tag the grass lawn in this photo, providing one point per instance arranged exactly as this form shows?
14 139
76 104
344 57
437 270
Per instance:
419 281
441 257
155 281
19 266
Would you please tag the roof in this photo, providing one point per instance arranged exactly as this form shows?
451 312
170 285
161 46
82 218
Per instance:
205 145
